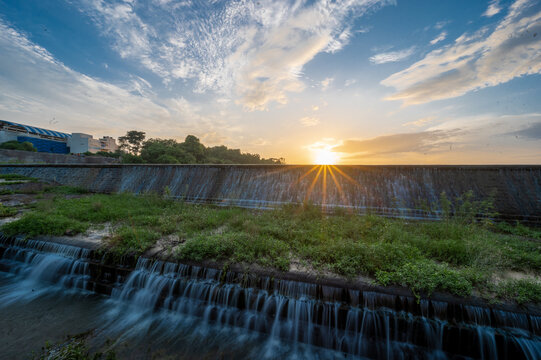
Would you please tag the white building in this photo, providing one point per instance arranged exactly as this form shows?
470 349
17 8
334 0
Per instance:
80 143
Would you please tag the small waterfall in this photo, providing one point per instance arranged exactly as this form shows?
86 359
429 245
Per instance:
297 312
155 297
42 267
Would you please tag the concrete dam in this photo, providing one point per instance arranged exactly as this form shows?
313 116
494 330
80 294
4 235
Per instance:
398 191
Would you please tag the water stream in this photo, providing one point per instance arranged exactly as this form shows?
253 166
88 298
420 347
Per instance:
164 309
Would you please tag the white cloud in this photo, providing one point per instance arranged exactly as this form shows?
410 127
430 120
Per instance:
420 122
392 56
493 8
253 51
309 121
325 83
467 140
36 87
442 36
350 82
485 59
441 24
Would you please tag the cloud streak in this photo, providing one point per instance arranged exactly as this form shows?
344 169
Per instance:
392 56
37 87
476 61
493 8
442 36
252 51
398 143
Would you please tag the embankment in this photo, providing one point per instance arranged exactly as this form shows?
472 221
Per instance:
402 191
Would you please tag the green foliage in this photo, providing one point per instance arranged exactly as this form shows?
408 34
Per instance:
127 158
522 291
467 209
15 145
518 229
131 142
66 190
6 211
237 247
110 154
426 276
34 224
133 240
450 255
15 177
191 151
75 348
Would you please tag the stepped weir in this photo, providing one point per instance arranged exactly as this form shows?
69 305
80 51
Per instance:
397 191
184 305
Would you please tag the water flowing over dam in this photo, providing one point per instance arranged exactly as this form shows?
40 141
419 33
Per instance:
198 312
400 191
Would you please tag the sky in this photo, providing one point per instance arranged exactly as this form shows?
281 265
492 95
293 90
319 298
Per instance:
372 81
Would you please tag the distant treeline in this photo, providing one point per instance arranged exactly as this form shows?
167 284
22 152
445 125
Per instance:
134 149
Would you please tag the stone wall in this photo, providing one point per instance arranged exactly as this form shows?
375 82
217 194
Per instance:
402 191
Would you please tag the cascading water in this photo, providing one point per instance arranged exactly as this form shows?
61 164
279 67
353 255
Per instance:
202 311
397 191
38 265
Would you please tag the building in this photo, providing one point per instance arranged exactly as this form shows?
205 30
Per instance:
80 143
51 141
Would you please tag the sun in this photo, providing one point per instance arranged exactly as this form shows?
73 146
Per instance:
325 157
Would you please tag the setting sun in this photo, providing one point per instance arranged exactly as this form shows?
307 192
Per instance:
325 157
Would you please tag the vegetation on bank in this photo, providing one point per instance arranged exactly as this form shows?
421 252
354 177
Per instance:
74 348
15 145
458 255
135 149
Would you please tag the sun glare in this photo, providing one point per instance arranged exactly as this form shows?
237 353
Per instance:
325 157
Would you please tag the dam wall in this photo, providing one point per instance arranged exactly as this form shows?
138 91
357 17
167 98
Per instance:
398 191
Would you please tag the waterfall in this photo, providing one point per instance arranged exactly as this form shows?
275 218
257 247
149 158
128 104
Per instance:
166 301
395 191
41 266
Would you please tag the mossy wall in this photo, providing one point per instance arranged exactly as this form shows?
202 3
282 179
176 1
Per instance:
387 190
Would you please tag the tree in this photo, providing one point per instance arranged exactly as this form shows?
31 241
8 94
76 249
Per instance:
192 146
132 142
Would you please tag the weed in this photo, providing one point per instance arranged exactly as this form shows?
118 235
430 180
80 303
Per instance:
522 291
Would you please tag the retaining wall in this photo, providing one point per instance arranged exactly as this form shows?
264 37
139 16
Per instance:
386 190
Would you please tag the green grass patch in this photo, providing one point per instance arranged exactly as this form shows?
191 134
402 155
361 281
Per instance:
66 190
451 255
6 211
15 177
522 291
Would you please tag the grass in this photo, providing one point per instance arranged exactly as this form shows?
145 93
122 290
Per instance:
74 348
457 255
15 177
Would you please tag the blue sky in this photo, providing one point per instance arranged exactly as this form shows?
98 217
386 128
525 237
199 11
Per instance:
375 81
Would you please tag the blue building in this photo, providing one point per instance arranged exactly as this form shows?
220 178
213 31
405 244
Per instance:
44 140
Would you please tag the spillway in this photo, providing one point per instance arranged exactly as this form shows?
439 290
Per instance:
398 191
210 311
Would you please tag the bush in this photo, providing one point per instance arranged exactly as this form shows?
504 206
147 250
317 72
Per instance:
426 276
522 291
133 240
15 145
35 223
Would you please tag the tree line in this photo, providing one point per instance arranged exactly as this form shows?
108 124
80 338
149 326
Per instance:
134 148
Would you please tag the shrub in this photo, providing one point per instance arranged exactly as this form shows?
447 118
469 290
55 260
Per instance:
426 276
34 224
15 145
522 291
